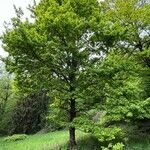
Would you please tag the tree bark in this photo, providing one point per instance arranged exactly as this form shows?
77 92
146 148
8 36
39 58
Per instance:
72 111
72 140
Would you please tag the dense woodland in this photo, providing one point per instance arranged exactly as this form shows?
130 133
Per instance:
78 65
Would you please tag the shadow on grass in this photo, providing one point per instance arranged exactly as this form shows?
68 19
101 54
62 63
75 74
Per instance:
138 143
84 143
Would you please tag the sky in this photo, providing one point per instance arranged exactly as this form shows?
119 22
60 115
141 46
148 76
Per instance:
7 12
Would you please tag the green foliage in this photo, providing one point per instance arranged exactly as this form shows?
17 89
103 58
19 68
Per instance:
15 137
105 135
117 146
123 87
131 20
85 54
56 118
110 134
5 87
8 99
122 101
6 118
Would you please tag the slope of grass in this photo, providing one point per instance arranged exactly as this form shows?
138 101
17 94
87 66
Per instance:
55 140
36 142
50 141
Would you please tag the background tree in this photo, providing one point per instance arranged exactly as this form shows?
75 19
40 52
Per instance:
131 19
29 114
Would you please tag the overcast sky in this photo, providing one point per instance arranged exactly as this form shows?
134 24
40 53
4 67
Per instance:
7 12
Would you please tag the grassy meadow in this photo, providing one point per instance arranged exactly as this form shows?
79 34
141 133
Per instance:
49 141
36 142
59 139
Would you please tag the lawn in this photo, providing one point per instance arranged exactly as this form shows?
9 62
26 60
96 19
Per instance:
37 142
53 141
50 141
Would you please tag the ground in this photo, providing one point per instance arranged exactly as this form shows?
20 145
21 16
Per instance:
53 141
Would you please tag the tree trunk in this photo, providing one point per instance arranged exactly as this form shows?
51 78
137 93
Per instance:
72 111
72 140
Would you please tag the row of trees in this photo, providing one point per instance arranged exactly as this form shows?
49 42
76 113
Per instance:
90 56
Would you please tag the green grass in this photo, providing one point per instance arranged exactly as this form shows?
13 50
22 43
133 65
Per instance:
55 140
50 141
36 142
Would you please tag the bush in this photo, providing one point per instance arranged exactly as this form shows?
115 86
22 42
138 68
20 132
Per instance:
15 137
